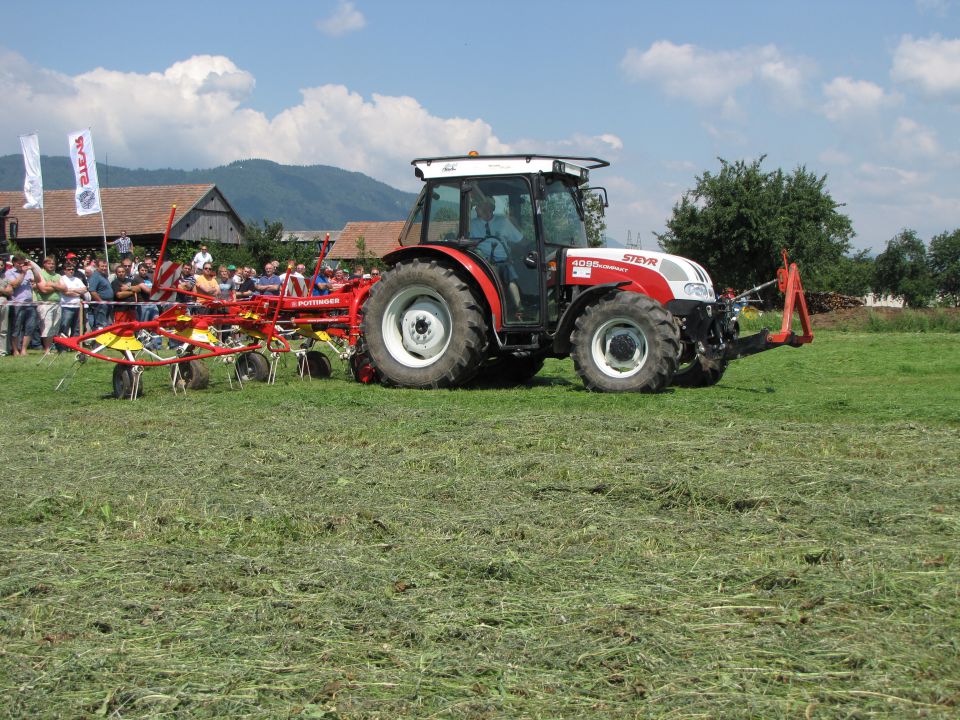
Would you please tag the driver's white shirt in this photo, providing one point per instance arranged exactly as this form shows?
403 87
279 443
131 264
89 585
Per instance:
500 227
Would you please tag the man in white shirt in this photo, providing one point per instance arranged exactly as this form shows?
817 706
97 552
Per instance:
202 257
71 322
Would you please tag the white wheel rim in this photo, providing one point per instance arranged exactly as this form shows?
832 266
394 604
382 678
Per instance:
417 326
623 331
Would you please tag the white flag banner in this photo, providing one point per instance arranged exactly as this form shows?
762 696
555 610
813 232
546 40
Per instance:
33 181
85 170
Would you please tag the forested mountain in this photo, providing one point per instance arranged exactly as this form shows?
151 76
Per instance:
313 197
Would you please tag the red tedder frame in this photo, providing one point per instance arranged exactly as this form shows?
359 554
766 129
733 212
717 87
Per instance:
788 281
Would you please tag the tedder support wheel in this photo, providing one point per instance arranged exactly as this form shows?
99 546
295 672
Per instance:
699 372
626 342
123 382
424 327
315 364
252 366
194 374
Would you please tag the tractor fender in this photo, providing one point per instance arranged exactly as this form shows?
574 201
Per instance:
470 266
561 339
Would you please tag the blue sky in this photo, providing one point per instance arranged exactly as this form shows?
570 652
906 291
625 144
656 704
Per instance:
867 93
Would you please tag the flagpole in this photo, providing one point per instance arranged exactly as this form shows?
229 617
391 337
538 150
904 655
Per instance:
106 254
43 213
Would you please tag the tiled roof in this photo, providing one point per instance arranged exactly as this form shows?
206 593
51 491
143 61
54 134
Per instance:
309 235
138 210
379 239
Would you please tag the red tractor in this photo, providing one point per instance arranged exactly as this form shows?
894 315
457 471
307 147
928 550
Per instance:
495 274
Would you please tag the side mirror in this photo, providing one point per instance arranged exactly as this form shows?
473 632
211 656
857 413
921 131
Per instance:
540 187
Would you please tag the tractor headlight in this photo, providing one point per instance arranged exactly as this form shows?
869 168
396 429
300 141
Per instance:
696 289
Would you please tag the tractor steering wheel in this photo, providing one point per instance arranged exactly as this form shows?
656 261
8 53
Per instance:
494 249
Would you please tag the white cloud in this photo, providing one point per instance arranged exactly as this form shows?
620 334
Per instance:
887 182
577 144
913 140
641 211
932 64
834 156
345 20
192 115
938 7
725 136
712 78
848 98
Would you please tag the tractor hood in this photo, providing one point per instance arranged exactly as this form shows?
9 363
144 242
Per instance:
661 275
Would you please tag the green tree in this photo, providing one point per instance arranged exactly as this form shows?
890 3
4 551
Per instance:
736 222
263 242
944 257
902 270
593 218
851 275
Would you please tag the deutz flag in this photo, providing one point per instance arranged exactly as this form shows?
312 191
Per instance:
87 194
33 182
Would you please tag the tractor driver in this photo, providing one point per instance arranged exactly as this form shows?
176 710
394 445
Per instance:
497 231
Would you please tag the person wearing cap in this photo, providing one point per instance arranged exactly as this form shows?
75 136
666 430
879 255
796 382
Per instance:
23 316
236 275
202 257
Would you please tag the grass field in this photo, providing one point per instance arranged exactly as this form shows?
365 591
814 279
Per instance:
782 545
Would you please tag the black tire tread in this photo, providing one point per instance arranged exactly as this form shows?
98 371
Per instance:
315 364
663 341
462 359
702 372
252 366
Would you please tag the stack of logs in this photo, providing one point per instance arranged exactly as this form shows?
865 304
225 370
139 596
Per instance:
822 302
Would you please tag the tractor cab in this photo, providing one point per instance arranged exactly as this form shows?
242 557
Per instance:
510 215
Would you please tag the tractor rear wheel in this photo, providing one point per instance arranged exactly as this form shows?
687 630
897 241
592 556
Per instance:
626 342
252 366
424 327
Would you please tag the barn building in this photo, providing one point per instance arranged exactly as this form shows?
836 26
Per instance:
203 214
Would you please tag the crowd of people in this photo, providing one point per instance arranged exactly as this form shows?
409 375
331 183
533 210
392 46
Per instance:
39 301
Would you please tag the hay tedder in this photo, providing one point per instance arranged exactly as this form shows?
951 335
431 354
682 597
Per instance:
493 274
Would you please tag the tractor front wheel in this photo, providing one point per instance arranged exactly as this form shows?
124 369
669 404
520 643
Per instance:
626 342
424 327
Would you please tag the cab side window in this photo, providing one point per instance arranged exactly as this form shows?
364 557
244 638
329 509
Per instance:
444 210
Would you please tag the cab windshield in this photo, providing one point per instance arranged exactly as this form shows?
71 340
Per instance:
562 214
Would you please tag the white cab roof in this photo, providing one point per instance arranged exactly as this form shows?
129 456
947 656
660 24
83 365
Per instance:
467 165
